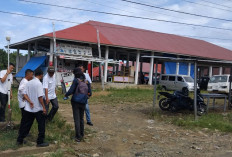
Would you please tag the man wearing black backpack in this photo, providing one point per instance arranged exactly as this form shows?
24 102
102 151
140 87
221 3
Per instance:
81 90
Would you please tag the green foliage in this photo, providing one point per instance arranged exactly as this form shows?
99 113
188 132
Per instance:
4 58
124 96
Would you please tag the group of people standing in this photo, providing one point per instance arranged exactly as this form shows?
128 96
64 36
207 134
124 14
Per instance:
34 98
35 93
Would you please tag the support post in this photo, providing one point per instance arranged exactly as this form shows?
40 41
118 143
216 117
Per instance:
51 53
195 90
128 59
17 61
220 70
189 69
106 63
151 68
163 68
100 68
137 67
154 98
210 71
115 56
29 52
36 47
177 68
117 66
229 95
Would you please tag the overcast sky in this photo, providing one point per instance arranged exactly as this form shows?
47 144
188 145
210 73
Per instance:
21 28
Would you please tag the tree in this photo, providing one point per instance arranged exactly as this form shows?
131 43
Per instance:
4 58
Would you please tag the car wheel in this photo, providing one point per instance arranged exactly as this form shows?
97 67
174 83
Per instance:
185 91
164 88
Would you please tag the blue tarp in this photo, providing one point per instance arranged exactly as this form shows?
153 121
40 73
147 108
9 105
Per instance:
32 64
183 68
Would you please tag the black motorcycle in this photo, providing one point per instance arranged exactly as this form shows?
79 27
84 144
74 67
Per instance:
179 101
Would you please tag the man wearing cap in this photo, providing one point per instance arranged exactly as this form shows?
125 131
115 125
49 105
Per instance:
49 86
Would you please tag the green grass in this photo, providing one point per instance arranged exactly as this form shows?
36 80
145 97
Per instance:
123 96
211 121
58 153
57 130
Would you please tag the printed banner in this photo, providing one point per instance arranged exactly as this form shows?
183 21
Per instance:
74 49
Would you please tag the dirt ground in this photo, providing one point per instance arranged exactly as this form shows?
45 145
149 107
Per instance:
128 131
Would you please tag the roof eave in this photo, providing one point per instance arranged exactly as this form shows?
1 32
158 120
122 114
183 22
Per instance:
18 44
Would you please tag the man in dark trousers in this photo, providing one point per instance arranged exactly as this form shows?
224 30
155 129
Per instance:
21 90
6 78
49 86
34 109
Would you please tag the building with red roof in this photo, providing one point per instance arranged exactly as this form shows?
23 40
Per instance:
81 44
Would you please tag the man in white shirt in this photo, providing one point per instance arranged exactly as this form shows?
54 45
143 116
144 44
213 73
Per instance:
6 79
34 109
49 86
87 112
21 92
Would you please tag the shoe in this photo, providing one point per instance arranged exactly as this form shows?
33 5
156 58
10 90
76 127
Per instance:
77 140
42 144
90 123
21 143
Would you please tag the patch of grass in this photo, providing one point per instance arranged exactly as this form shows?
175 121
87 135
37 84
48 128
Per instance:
58 153
123 96
211 121
57 130
8 139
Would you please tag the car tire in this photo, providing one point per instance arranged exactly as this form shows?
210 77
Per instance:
164 88
185 91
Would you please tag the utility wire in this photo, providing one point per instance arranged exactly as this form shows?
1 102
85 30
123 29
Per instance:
182 12
203 37
109 13
107 6
216 4
136 9
206 5
139 17
130 16
123 28
101 12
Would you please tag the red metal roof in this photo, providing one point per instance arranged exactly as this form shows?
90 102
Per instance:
123 36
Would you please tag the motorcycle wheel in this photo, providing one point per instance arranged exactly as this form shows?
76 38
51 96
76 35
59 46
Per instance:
173 108
201 109
164 104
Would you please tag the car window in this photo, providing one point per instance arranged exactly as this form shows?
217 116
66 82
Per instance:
171 78
215 79
180 79
188 79
164 77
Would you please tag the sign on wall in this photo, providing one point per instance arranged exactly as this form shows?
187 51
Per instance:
74 49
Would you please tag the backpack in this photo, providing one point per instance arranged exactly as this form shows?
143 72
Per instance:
81 93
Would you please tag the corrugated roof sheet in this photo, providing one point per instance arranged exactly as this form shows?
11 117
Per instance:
123 36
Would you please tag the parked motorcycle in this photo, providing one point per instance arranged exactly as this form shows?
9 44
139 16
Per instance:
178 101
